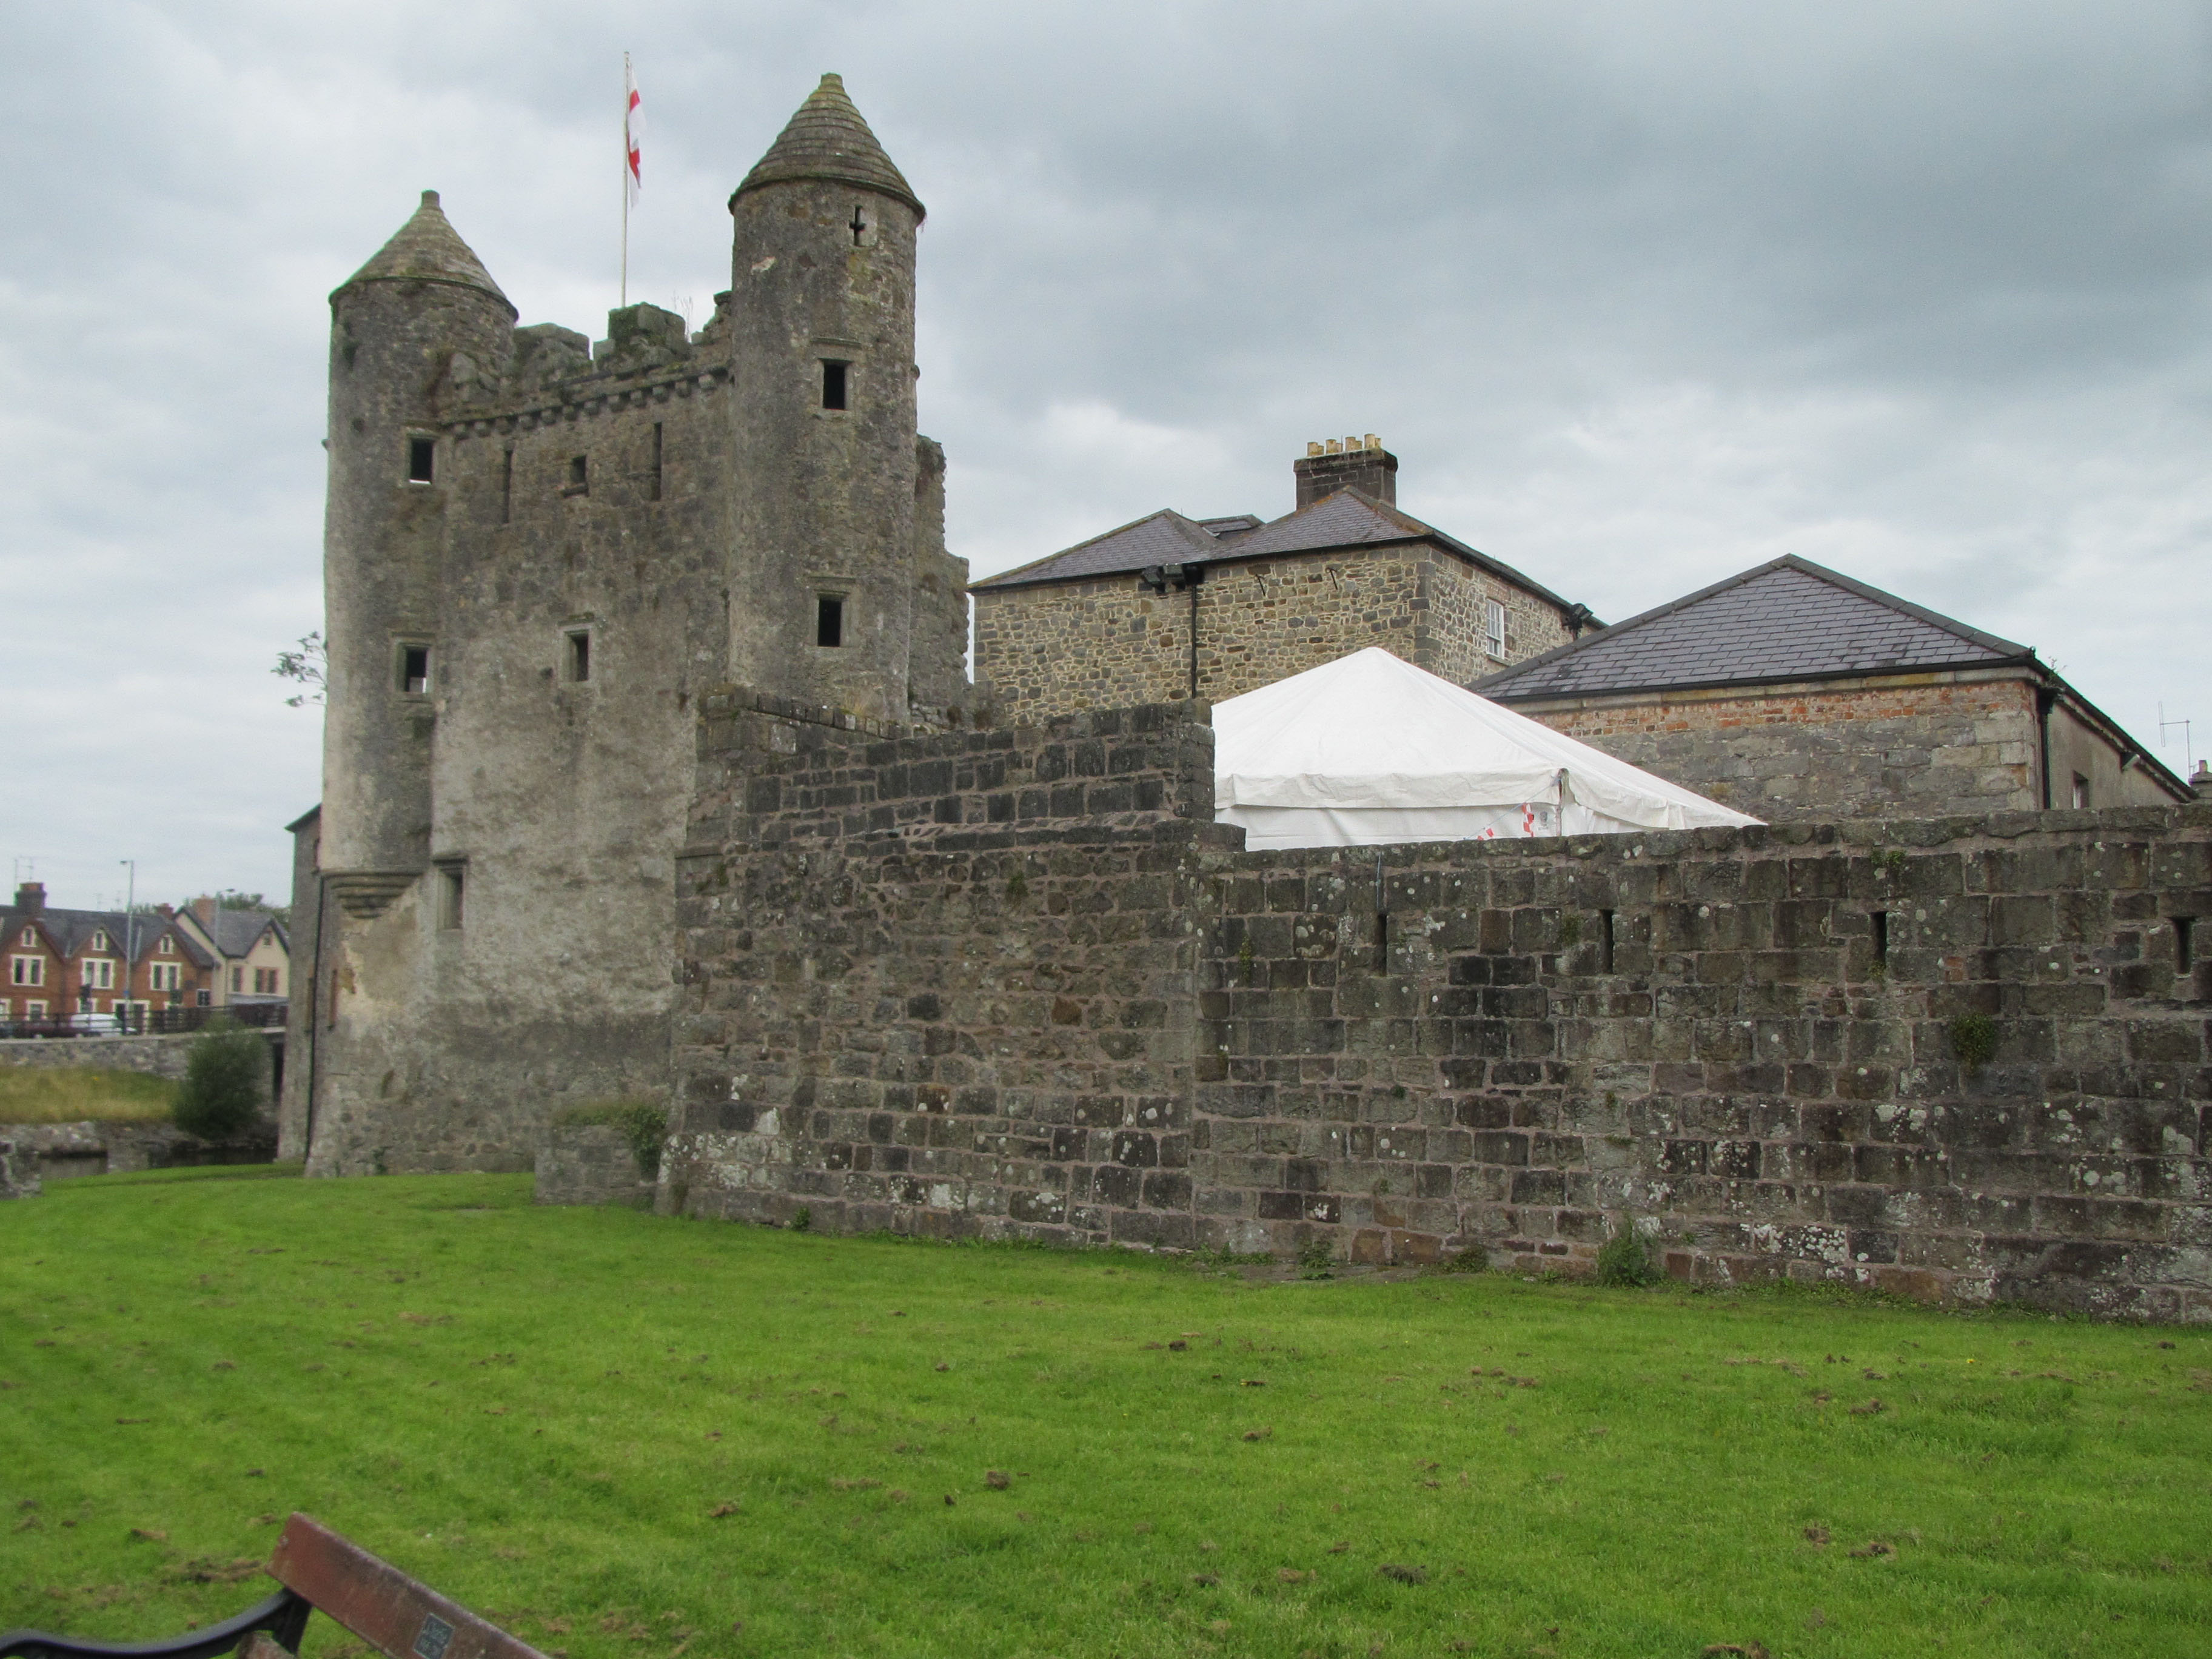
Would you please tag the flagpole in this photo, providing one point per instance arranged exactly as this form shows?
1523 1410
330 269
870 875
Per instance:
625 169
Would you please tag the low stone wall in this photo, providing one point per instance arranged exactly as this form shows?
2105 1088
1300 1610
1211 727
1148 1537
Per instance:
161 1056
590 1163
1964 1059
56 1150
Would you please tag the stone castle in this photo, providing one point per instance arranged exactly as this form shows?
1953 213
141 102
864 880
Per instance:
651 770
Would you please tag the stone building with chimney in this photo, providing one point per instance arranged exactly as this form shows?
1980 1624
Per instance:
1170 606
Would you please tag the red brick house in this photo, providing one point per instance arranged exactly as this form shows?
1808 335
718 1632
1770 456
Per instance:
83 962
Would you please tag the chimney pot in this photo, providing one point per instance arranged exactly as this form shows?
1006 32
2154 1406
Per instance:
1347 463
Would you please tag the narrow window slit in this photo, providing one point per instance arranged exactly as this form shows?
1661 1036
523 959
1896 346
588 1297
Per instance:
1881 936
2184 943
506 487
1605 941
415 670
833 384
579 655
654 488
422 459
828 620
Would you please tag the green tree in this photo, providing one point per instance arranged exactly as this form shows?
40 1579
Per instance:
226 1079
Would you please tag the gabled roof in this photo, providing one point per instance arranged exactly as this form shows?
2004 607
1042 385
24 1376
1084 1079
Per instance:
1347 518
428 249
828 139
1789 619
70 931
237 932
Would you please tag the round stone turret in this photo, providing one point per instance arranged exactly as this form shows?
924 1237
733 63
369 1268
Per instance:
421 328
822 344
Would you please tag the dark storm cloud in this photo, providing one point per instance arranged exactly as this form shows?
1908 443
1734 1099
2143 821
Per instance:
1641 295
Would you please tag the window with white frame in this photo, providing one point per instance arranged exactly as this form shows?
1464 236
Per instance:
238 979
26 971
30 936
1493 628
165 975
168 947
34 1010
264 982
97 974
99 941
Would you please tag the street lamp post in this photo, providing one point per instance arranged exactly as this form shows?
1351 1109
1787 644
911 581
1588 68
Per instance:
129 935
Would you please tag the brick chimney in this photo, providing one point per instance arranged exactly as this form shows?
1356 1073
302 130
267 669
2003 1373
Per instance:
204 908
1352 463
31 896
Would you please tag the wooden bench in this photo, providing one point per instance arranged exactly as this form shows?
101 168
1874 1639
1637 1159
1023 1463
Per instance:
321 1572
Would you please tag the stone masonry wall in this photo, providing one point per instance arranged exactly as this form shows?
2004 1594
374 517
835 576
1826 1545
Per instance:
160 1056
1929 746
913 999
1763 1047
1059 647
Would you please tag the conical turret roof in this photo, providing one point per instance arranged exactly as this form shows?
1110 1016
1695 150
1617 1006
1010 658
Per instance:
828 139
428 249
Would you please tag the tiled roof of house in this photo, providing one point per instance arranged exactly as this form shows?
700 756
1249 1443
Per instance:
1346 518
1788 620
70 931
237 932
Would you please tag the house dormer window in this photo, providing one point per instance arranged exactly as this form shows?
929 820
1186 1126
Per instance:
168 947
30 936
99 941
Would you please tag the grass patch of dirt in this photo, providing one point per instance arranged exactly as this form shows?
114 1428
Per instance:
628 1437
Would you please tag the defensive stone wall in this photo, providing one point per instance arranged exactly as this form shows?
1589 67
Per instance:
1960 1059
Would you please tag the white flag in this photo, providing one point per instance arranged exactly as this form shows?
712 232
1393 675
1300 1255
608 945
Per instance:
633 134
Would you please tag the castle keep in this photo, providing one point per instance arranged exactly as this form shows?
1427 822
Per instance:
540 552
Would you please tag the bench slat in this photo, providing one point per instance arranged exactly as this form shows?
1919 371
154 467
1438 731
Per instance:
401 1616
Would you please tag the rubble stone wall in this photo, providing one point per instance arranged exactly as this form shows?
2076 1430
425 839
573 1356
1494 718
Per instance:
1960 1059
1059 647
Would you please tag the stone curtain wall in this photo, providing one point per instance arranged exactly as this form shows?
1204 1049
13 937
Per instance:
1933 747
1705 1032
1764 1047
944 984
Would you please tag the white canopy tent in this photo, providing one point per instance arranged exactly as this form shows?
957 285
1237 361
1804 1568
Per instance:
1369 749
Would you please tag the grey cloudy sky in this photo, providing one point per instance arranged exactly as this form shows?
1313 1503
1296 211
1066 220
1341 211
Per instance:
1640 293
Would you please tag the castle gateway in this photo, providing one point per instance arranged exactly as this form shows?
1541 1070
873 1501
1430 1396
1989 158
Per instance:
538 552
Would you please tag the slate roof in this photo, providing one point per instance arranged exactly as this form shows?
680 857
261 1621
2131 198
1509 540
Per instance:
828 139
1346 518
70 930
428 249
1787 620
236 932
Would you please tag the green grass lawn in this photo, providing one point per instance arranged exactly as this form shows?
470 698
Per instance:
622 1436
70 1094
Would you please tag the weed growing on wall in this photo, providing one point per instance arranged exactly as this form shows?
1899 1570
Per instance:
1974 1040
644 1124
1626 1259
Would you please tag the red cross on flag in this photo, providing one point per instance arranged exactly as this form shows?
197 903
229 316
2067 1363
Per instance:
633 134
